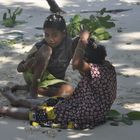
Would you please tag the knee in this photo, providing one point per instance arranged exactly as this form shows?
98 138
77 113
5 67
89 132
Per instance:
66 90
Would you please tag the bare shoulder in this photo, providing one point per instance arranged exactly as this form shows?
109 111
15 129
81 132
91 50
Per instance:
44 51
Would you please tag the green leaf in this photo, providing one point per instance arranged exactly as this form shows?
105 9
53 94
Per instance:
15 13
102 11
11 20
4 16
9 10
14 18
18 11
100 30
95 24
92 17
126 120
134 115
112 114
105 22
74 26
7 43
104 36
75 19
8 22
107 17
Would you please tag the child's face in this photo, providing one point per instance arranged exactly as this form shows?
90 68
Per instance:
53 36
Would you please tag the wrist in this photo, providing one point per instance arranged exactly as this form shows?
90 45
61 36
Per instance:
83 42
80 50
33 92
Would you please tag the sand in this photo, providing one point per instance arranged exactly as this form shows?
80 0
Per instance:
123 51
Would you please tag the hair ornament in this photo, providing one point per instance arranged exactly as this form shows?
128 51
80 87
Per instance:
54 17
94 45
59 19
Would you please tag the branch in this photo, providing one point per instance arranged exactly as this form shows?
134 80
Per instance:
54 7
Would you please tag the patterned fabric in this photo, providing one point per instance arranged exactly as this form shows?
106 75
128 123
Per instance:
40 115
46 80
91 100
44 115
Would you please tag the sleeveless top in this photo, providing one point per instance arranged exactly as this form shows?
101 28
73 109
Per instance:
60 58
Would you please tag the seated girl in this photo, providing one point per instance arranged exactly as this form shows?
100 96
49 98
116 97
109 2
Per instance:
91 99
46 63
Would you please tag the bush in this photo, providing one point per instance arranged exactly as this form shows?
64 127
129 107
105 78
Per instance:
97 25
9 18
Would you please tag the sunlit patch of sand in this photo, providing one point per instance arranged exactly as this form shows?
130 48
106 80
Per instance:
132 106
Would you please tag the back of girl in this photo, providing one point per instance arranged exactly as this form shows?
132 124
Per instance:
95 93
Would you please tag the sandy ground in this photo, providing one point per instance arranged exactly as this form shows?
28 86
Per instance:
123 51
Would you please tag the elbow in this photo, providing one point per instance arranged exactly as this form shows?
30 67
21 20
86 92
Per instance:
19 69
76 65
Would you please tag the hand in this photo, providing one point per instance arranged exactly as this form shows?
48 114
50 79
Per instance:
21 67
84 36
33 90
29 64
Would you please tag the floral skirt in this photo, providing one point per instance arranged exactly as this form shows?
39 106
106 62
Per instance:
45 115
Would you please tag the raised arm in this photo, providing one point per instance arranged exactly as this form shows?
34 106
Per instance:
42 59
78 61
27 63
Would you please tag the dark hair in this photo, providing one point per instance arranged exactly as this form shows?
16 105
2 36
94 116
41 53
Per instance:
55 21
95 53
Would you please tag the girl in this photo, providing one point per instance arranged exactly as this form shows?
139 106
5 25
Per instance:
46 64
91 99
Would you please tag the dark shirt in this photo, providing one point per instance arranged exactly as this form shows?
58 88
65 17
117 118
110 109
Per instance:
60 58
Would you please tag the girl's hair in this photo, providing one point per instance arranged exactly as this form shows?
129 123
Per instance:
55 21
95 53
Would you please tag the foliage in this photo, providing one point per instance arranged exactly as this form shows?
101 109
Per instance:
112 114
9 18
97 25
134 115
7 43
117 117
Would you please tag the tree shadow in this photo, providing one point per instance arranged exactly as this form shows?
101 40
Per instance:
123 57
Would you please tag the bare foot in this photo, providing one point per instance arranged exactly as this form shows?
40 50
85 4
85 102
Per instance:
3 111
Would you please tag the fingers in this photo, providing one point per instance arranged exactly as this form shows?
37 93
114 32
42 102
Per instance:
84 36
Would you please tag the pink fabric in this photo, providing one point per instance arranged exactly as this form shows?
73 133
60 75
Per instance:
91 100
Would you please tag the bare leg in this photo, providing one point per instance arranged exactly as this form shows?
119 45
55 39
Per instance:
22 87
63 90
17 113
19 87
28 103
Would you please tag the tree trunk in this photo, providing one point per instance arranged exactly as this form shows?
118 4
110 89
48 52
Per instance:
54 7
